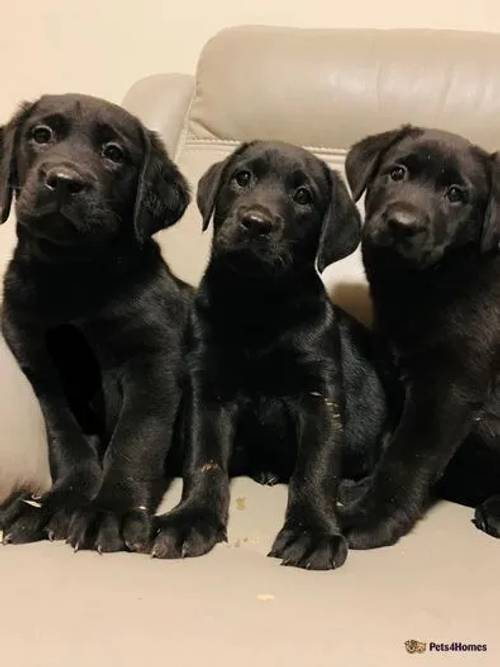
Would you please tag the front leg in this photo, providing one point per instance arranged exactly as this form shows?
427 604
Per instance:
200 520
120 516
311 537
437 416
74 465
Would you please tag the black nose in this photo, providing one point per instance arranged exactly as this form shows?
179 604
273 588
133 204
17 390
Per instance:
405 223
64 181
256 222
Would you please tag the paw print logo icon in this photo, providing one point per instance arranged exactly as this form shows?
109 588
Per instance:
414 646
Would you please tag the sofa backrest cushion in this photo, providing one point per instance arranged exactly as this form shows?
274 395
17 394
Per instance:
324 90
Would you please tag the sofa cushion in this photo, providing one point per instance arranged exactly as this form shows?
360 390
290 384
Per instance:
327 88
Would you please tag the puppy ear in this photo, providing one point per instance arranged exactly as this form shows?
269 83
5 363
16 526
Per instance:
490 234
364 157
209 184
206 194
9 135
162 191
341 229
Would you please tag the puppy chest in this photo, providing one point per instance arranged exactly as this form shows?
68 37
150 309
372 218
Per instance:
280 373
265 438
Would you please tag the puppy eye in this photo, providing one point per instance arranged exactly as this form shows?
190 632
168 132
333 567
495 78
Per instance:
242 178
113 152
42 134
455 195
398 173
302 196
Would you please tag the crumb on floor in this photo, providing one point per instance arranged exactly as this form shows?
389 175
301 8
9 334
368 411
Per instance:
241 503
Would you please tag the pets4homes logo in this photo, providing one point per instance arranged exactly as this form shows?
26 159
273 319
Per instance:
415 646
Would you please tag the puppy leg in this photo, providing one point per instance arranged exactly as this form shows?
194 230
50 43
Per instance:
311 536
74 465
433 425
199 521
120 515
351 490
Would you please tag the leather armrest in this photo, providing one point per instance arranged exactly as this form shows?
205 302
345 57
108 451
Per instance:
161 102
24 460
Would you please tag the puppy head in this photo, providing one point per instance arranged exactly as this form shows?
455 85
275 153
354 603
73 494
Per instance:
427 192
85 172
275 207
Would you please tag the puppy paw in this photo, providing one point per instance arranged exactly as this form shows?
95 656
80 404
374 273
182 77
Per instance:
266 478
378 518
487 516
309 548
58 525
187 533
29 519
12 508
380 530
137 529
22 520
96 528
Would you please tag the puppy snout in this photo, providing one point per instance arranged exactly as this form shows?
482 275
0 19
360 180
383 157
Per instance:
64 181
405 222
256 222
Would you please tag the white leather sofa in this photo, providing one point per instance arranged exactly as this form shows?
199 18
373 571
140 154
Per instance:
322 89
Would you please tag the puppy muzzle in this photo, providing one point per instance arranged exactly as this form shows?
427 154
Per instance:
257 221
254 228
404 228
63 182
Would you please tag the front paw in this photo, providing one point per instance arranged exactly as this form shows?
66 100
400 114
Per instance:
97 528
22 520
187 533
379 516
309 548
29 519
487 516
376 525
265 477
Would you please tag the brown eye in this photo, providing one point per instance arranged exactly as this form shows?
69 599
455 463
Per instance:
242 178
112 152
302 196
398 173
455 195
42 134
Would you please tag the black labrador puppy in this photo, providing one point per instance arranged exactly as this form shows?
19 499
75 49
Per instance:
93 315
430 249
269 353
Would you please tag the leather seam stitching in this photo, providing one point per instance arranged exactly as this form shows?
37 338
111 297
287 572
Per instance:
192 140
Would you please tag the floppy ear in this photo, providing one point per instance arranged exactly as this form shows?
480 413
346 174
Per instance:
364 157
9 135
208 186
490 234
162 191
341 229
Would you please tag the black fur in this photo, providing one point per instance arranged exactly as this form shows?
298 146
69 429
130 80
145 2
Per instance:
430 249
93 315
271 357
